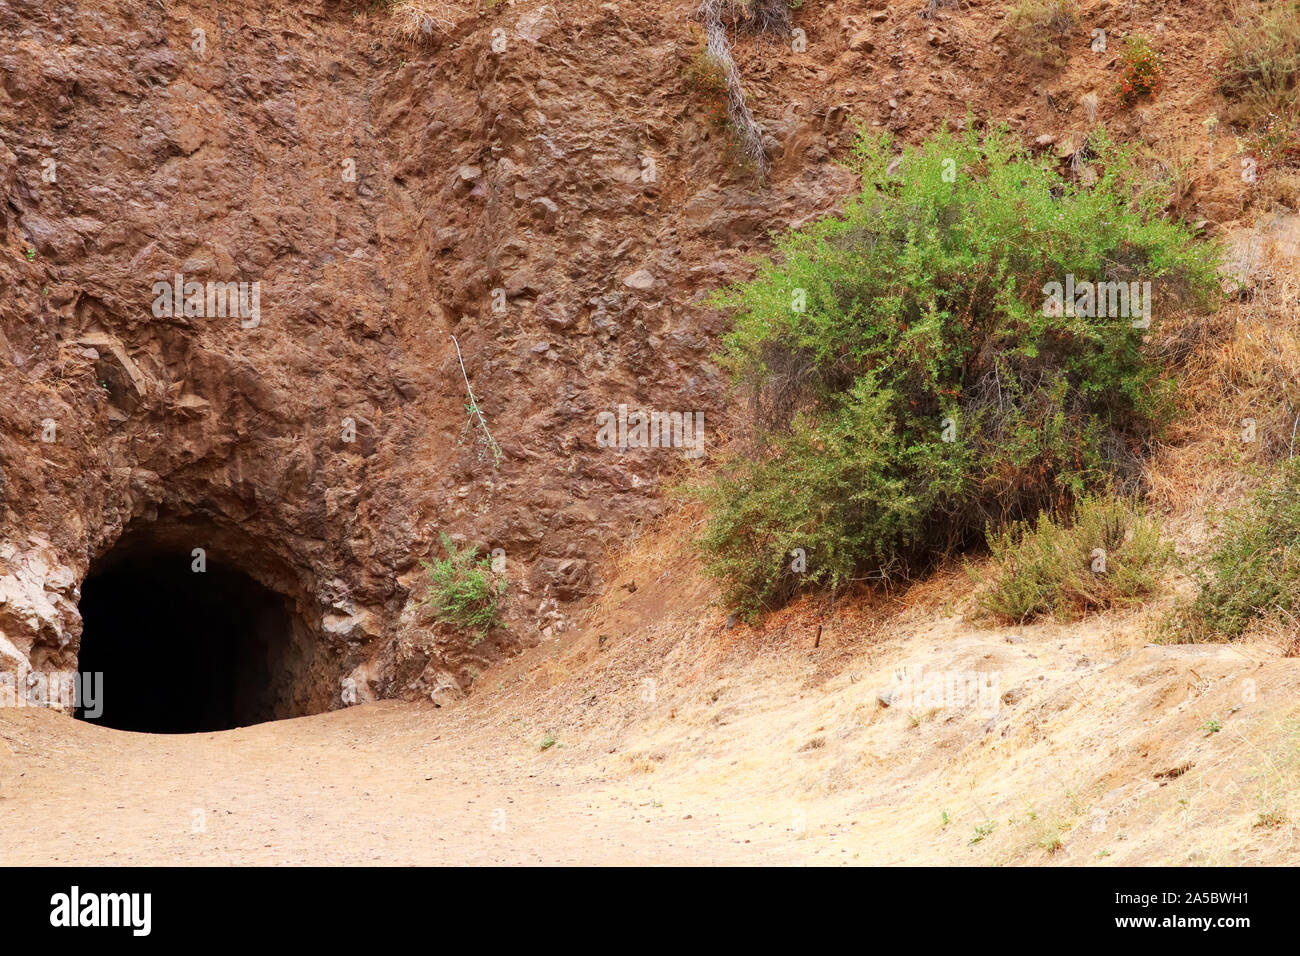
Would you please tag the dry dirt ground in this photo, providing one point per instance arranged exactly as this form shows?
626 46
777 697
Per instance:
655 734
387 783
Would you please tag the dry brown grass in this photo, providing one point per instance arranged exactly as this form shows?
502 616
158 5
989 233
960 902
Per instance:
1182 167
423 20
749 137
1261 69
1237 365
1042 27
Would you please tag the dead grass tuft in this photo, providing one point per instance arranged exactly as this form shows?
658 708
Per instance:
422 21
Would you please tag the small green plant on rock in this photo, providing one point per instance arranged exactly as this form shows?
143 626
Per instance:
706 78
463 590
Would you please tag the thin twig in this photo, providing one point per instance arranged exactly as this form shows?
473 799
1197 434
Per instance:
475 412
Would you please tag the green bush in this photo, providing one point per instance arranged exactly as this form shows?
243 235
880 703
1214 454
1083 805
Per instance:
1110 555
1254 571
463 590
908 380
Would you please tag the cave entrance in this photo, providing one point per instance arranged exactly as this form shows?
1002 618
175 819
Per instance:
186 646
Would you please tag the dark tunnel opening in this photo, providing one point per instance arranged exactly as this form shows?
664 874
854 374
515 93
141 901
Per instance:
184 650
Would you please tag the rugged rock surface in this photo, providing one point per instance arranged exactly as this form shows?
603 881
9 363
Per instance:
385 196
534 179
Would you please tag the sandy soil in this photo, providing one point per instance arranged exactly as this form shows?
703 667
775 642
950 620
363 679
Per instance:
678 740
380 783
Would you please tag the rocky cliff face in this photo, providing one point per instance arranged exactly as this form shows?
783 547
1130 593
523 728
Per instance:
534 182
537 179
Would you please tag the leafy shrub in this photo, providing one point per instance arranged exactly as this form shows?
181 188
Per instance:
847 489
1255 567
1041 27
463 590
1110 555
1261 65
907 381
1143 70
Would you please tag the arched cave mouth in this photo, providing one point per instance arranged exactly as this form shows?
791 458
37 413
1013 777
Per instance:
186 646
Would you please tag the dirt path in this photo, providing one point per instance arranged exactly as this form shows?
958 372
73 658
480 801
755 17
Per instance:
381 783
744 769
